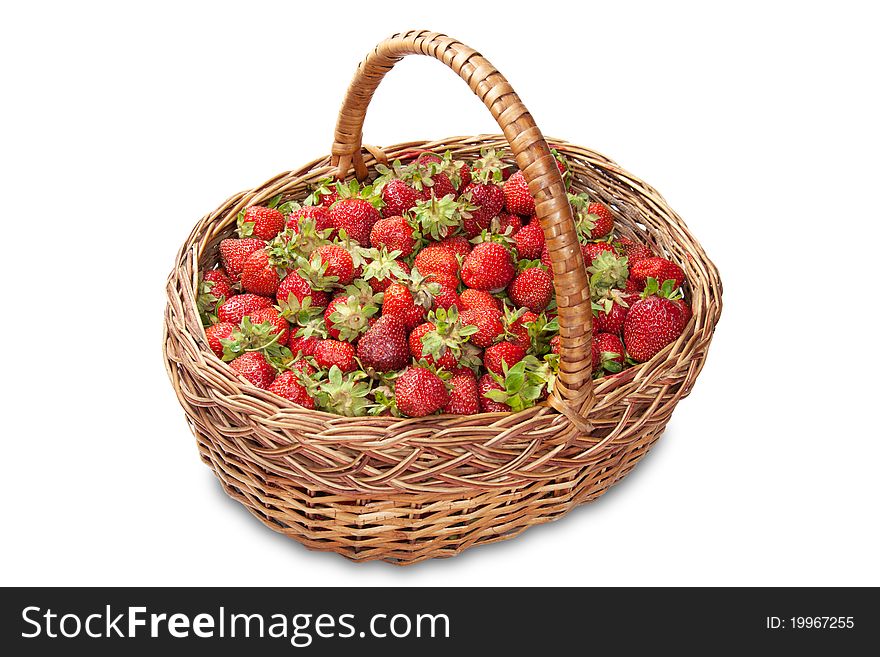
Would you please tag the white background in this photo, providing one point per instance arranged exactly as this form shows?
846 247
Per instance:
122 125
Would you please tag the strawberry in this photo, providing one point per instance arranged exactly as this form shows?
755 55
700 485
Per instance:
505 224
607 353
234 253
419 392
592 220
446 298
633 251
395 234
258 275
610 320
532 288
335 352
487 383
399 198
253 366
260 222
529 240
603 221
443 279
299 287
383 270
235 308
317 213
464 398
554 345
442 175
488 200
658 268
417 349
399 302
384 346
650 325
221 282
516 330
442 341
488 323
592 250
487 267
436 260
325 193
685 309
437 218
506 352
217 332
356 216
347 317
338 261
288 385
472 299
304 345
458 244
214 289
273 317
517 199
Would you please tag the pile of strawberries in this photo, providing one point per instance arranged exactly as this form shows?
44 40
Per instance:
427 291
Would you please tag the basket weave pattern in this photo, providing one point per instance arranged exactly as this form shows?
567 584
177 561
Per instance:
405 490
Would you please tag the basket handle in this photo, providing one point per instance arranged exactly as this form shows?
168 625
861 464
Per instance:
572 393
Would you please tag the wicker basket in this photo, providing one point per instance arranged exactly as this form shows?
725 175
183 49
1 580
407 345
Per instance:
405 490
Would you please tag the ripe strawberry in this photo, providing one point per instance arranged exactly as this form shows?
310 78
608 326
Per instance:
532 288
436 260
446 298
487 383
554 344
610 352
419 392
221 284
464 398
516 331
399 198
260 222
217 332
685 311
529 241
659 268
473 299
517 199
385 275
253 366
258 276
235 308
299 287
650 325
488 199
603 221
279 324
634 251
417 349
592 250
458 244
384 346
611 321
334 352
339 262
303 344
287 385
634 286
234 253
506 352
356 217
488 323
318 213
395 234
487 267
443 279
505 224
399 302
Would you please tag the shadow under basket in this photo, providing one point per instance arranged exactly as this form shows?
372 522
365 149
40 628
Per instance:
405 490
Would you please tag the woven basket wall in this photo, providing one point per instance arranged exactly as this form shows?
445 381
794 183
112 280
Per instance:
405 490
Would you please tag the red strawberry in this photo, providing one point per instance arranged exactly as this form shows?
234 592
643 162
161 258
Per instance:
419 392
503 351
395 234
487 267
399 198
253 366
458 244
518 333
235 308
260 222
306 345
488 198
384 346
464 398
299 287
339 262
611 321
417 349
446 298
529 241
488 323
632 285
443 279
279 324
634 251
399 302
287 385
532 288
554 344
603 221
659 268
356 216
592 250
318 213
487 383
472 299
220 287
217 332
346 317
334 352
217 276
258 276
610 352
381 284
505 224
517 199
650 325
234 253
436 260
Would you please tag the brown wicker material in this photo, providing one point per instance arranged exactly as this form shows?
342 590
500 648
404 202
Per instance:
405 490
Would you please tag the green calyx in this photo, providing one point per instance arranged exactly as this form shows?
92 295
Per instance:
382 265
354 190
566 175
316 327
207 303
524 383
298 312
505 239
608 364
314 271
344 394
439 218
256 337
607 271
384 401
363 293
667 290
489 167
351 318
422 289
585 222
448 335
322 188
541 331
